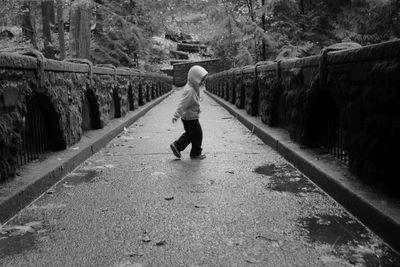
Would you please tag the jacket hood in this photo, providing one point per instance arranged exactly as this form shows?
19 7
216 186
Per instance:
195 75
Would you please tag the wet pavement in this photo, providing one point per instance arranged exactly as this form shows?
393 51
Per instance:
134 204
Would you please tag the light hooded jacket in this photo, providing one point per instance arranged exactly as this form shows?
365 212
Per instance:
189 107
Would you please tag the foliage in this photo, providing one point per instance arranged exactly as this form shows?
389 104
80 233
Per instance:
298 28
240 36
227 42
122 30
370 22
9 11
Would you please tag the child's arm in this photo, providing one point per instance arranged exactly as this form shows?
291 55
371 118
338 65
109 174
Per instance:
188 98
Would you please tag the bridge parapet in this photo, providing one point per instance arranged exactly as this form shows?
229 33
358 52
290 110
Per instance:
345 103
58 100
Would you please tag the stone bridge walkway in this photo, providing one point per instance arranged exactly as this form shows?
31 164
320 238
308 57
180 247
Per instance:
134 204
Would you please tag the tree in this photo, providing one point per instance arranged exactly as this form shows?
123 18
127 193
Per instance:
80 29
47 17
28 28
117 37
246 18
264 52
60 23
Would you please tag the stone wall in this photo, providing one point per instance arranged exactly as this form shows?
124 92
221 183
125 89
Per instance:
180 70
352 96
59 90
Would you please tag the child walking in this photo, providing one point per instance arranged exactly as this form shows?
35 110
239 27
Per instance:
188 110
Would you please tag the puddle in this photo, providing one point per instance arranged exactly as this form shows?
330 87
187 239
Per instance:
268 169
349 240
17 239
18 244
80 177
285 178
296 185
334 230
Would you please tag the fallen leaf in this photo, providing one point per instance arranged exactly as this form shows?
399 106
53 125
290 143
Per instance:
133 254
253 260
146 239
161 243
50 191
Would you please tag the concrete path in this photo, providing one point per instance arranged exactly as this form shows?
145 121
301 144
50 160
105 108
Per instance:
134 204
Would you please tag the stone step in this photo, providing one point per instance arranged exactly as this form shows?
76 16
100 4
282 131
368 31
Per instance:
179 54
191 48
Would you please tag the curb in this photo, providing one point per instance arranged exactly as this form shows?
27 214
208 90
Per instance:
36 178
375 210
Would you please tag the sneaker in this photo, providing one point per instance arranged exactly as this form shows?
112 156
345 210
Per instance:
201 156
175 150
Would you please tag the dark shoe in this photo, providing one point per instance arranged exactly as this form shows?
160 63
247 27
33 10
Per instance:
201 156
175 150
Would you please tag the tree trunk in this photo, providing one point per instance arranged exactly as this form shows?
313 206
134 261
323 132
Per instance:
301 5
264 52
60 20
47 13
80 32
99 20
251 9
28 28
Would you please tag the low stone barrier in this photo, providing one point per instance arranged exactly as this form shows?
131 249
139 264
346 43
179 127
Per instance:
60 100
345 103
180 70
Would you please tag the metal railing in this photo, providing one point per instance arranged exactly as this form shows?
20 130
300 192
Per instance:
35 137
333 141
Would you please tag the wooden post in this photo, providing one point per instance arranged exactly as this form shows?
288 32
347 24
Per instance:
28 27
47 14
80 32
264 52
60 21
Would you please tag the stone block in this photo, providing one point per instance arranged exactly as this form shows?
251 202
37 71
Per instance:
10 97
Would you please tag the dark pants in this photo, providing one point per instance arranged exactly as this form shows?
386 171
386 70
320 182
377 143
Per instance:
193 134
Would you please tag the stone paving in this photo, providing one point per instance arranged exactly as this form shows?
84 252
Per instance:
134 204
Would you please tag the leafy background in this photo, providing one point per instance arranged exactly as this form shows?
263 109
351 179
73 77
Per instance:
240 31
